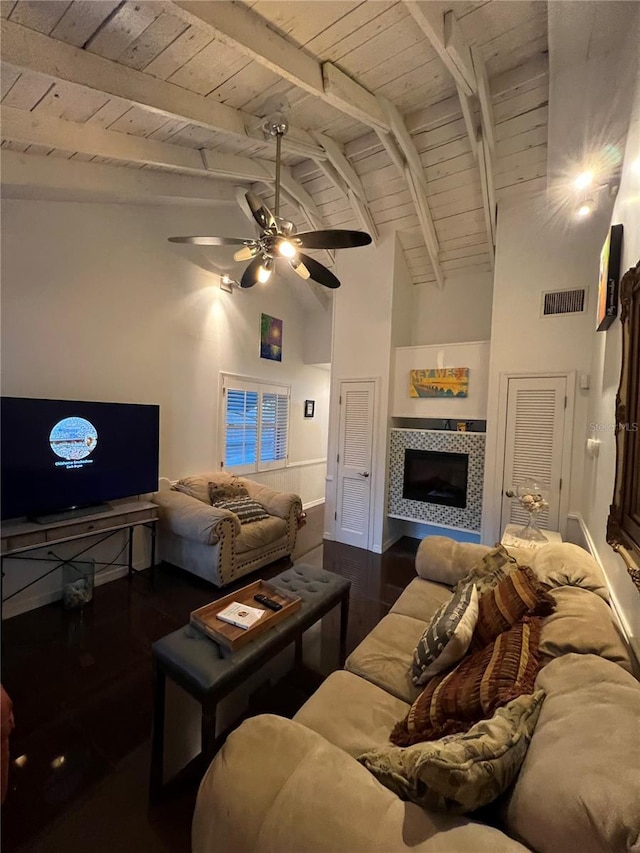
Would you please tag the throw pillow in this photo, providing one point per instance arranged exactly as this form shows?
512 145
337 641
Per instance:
462 772
196 487
517 595
452 701
491 569
246 509
447 637
230 490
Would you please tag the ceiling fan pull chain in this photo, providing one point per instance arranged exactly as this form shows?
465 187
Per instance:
278 144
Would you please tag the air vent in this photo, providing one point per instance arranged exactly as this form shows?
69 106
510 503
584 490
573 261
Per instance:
563 302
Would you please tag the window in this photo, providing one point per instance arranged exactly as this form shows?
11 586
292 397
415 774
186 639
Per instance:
256 420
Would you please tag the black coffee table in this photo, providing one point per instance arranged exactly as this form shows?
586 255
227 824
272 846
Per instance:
209 672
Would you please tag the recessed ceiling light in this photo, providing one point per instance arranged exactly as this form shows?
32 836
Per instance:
585 209
583 180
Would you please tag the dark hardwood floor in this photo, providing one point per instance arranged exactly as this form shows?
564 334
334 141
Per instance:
81 687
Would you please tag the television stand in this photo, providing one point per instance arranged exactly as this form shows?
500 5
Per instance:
71 514
21 538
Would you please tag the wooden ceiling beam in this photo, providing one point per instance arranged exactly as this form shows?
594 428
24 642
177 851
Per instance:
28 49
443 32
242 29
415 177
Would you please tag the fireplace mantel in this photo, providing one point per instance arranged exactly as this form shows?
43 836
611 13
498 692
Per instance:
471 443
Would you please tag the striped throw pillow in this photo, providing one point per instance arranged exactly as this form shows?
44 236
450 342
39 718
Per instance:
246 509
517 595
447 637
454 701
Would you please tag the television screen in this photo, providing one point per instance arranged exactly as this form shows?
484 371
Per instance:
64 454
436 477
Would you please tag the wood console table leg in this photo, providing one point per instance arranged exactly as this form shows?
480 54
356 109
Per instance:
156 777
344 620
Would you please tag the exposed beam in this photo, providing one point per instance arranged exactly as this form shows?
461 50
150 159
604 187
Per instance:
445 37
341 164
426 223
484 97
247 32
488 194
30 176
364 215
391 147
351 98
25 48
468 114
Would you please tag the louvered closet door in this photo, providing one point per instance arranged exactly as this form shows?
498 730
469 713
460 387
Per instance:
354 463
534 442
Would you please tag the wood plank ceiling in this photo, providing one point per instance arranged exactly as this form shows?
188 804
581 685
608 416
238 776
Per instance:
415 116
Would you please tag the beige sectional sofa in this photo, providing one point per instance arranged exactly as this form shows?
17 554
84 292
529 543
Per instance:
294 785
209 541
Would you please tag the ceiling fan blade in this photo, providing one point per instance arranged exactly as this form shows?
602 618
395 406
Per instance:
319 273
332 239
261 213
212 241
250 275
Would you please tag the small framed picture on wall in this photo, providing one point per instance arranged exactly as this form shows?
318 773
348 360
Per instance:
309 408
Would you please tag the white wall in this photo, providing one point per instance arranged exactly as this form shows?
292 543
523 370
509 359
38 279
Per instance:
362 350
605 375
461 311
535 253
97 305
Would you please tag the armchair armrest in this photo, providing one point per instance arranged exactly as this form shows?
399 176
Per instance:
276 785
275 503
192 519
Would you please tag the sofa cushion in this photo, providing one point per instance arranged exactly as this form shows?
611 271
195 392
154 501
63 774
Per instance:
564 564
384 656
258 534
491 677
222 493
278 787
461 772
351 713
495 565
421 599
444 560
579 787
447 637
196 487
245 508
581 623
518 594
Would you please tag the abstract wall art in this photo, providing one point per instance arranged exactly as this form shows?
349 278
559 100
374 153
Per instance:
270 338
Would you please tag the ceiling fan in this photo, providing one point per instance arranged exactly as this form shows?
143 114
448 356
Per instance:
278 239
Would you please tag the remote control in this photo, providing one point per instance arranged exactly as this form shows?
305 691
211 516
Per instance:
268 602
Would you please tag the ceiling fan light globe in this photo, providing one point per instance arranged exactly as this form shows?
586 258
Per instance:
244 254
287 249
264 270
300 268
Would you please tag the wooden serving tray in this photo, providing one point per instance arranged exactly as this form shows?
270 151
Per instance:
232 637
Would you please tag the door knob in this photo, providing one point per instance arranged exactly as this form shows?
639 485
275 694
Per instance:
363 473
510 494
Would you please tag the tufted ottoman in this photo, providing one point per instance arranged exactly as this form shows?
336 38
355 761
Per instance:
209 672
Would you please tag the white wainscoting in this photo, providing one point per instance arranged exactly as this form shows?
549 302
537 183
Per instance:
306 479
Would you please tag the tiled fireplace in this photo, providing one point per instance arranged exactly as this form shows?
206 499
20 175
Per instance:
445 469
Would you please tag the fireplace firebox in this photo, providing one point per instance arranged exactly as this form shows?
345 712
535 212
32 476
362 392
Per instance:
436 477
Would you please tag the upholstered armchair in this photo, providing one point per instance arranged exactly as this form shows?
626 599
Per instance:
210 541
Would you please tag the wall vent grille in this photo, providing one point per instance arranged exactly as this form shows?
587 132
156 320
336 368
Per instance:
563 302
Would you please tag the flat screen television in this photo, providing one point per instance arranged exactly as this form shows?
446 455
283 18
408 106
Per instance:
436 477
60 455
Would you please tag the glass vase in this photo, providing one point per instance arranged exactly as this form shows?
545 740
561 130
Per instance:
531 532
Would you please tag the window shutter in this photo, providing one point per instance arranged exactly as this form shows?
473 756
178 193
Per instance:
274 429
241 429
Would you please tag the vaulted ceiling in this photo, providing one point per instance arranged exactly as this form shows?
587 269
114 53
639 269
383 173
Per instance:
416 116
